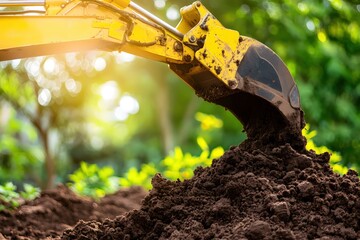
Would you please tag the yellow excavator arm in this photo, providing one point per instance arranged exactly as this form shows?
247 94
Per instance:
69 26
223 67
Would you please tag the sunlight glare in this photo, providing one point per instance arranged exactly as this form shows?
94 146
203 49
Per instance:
50 65
73 86
15 63
127 57
97 143
123 57
159 4
32 66
41 80
99 64
44 97
4 64
120 114
310 25
109 91
129 104
71 60
172 13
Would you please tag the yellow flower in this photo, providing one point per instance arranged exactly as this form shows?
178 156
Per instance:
208 122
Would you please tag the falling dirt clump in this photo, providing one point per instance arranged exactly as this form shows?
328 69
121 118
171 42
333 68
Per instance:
55 210
257 190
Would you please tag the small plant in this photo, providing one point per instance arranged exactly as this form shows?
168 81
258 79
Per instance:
335 157
178 165
139 178
30 192
93 181
181 165
11 198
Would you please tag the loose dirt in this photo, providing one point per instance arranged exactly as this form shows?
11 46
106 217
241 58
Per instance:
50 214
266 188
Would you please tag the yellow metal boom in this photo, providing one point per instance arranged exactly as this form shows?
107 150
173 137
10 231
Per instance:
87 25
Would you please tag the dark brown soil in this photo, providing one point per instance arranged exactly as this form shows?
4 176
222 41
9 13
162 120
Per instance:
54 211
268 187
262 189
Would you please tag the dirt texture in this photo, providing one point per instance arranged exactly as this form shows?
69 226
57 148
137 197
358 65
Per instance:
49 215
266 188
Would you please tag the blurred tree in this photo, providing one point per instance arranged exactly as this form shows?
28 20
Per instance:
20 154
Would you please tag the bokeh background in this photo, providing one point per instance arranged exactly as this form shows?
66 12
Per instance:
118 110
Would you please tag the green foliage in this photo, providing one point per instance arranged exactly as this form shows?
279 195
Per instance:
142 177
93 181
14 90
20 152
181 165
11 199
9 195
178 165
335 158
30 192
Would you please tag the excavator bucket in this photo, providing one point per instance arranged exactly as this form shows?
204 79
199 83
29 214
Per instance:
264 96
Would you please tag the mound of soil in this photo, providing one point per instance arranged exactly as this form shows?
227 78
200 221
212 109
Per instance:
261 189
268 187
50 214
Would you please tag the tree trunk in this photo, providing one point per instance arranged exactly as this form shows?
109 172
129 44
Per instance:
186 123
50 166
163 101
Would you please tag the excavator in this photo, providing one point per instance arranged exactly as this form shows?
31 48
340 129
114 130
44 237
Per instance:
222 66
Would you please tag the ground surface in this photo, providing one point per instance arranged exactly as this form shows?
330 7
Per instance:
244 195
268 187
54 211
